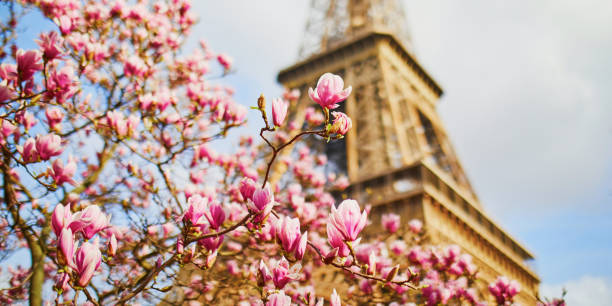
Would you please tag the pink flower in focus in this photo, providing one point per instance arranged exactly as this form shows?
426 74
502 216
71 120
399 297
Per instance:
66 247
348 219
390 222
278 299
262 203
28 151
279 111
288 235
247 188
283 274
63 174
215 215
197 208
88 259
60 218
89 221
342 123
48 146
28 63
415 226
336 241
329 91
51 44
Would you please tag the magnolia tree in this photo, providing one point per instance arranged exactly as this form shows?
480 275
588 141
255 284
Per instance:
116 188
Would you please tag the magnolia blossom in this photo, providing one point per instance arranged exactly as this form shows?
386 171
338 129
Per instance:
504 290
282 273
391 222
335 299
28 63
48 146
63 173
88 259
342 123
329 91
66 247
279 111
415 226
60 218
225 61
335 239
89 221
288 234
348 219
262 203
278 299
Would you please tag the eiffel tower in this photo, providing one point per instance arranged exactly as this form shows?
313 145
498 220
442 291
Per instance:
398 156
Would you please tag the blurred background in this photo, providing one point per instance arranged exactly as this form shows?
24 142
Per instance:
527 105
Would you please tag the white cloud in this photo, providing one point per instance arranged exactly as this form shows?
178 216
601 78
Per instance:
585 291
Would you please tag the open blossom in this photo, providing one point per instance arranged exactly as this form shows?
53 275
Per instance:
88 259
283 274
348 219
279 111
335 239
63 173
89 221
278 299
54 118
390 222
62 84
329 91
48 146
215 214
51 44
504 290
28 151
247 188
342 123
28 63
196 209
289 236
262 203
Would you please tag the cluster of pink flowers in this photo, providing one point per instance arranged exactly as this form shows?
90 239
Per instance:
504 290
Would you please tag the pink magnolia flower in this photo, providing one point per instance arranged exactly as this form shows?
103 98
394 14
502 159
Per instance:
63 174
225 61
262 203
336 241
7 129
288 235
342 123
348 219
51 44
211 244
283 274
197 209
60 218
26 118
263 274
278 299
504 290
279 111
390 222
88 259
48 146
54 117
335 299
329 91
247 188
89 221
62 84
28 63
415 226
112 245
28 151
215 215
66 247
6 93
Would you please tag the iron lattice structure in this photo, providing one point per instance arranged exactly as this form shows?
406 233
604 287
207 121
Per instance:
332 22
398 156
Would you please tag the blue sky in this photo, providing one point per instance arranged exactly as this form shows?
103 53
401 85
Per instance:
527 105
